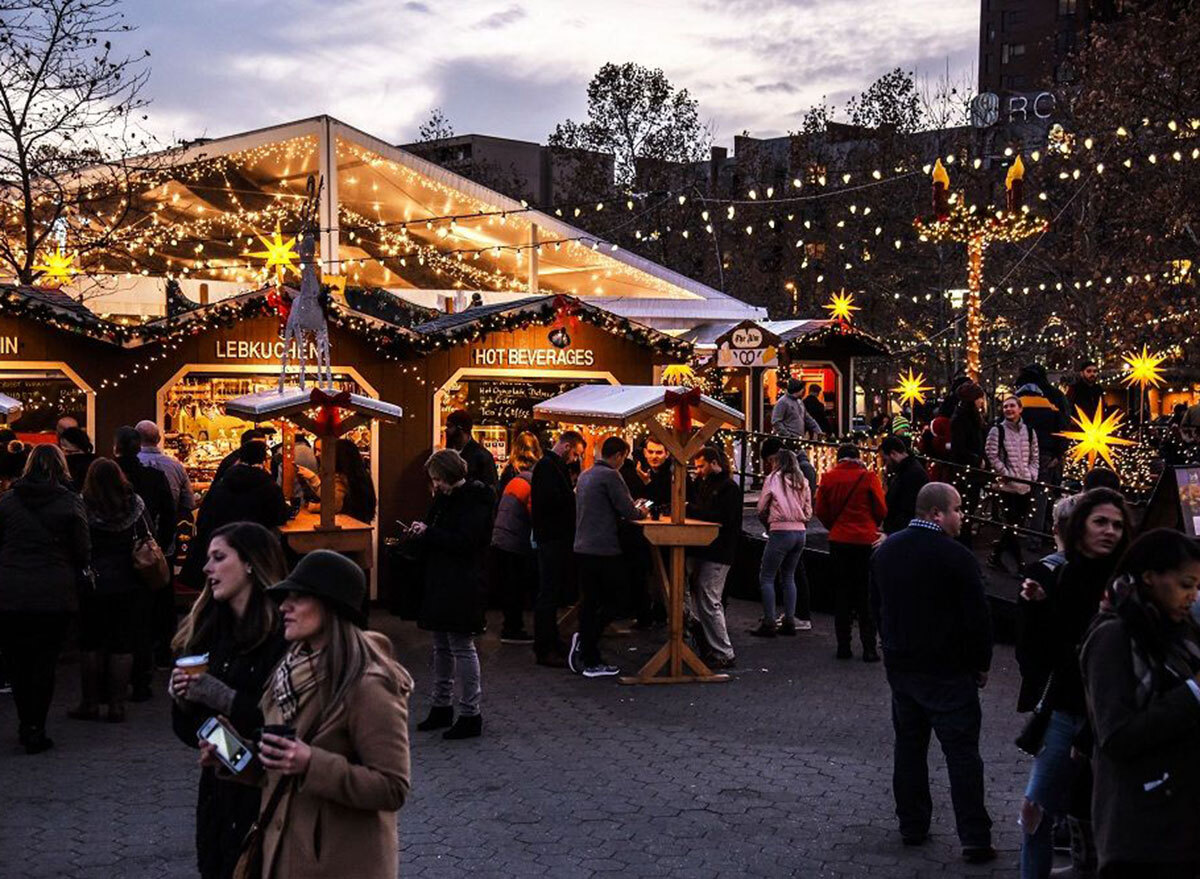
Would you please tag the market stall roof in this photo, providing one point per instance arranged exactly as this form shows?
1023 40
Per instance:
388 218
505 315
622 405
798 334
60 310
10 409
244 304
270 404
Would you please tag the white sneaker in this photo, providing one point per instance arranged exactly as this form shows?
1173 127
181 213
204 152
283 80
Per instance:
601 671
803 625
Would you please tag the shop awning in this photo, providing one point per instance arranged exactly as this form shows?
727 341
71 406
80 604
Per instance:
622 405
10 409
270 404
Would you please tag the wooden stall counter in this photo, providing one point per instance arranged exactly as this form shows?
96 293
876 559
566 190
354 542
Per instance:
352 538
689 532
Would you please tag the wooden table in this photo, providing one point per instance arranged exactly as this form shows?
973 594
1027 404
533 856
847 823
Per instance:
352 538
674 537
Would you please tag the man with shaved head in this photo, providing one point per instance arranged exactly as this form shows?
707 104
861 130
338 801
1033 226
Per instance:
152 455
927 595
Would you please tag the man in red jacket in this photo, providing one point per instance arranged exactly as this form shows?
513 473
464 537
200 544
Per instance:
851 506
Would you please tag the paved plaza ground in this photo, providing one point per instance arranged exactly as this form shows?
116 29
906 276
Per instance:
783 772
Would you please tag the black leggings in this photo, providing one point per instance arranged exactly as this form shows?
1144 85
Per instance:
30 643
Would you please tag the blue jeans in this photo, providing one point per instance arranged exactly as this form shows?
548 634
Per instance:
781 556
1050 788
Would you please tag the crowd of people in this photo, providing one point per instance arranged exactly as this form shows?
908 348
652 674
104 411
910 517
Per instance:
279 663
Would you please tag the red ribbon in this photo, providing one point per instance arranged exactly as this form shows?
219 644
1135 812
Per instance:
566 312
683 401
329 419
281 304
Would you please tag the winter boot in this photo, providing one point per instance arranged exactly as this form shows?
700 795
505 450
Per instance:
465 727
440 716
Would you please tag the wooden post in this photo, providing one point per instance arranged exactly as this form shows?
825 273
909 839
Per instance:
328 481
288 465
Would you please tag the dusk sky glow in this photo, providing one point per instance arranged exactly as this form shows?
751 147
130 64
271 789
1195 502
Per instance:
514 68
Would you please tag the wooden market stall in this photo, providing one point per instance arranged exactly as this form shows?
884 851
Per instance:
320 411
10 409
624 405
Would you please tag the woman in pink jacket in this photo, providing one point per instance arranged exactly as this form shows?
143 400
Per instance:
785 506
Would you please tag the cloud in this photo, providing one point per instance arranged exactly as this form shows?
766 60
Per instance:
751 64
497 20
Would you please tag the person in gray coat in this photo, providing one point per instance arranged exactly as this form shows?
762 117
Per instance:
789 417
602 502
1141 675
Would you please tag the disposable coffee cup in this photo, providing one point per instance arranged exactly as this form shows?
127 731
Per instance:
283 730
195 665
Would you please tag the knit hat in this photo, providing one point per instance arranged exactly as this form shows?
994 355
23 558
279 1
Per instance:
970 392
901 426
331 577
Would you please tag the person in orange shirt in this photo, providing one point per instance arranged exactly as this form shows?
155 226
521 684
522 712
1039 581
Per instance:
851 506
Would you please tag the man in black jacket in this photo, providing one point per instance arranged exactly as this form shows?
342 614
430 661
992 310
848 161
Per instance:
552 508
155 491
927 596
906 479
481 465
815 406
714 497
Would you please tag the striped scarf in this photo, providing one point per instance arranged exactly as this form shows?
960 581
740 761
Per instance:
297 676
1164 653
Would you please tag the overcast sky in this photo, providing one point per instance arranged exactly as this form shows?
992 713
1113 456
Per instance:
514 68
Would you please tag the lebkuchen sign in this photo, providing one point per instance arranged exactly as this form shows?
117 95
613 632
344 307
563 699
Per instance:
747 345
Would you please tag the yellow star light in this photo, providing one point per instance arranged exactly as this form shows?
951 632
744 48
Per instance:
280 254
679 374
58 266
911 388
840 306
1143 369
1095 436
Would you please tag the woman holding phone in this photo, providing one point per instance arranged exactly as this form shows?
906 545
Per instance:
237 626
341 771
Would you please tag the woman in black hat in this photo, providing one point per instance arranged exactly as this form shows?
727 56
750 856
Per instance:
345 760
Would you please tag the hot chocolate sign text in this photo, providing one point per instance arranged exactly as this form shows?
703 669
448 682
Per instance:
533 357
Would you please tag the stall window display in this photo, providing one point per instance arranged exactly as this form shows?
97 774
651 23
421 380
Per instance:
503 407
46 395
201 434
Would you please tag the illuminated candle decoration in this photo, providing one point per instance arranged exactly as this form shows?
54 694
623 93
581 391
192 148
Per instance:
1014 185
941 191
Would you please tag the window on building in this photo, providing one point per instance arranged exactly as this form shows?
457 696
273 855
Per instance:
1012 19
1009 51
1066 7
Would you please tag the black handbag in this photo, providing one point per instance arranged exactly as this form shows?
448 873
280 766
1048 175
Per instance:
1033 733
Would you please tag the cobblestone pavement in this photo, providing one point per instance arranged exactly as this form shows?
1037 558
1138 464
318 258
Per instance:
783 772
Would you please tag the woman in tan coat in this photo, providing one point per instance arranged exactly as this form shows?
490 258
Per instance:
345 757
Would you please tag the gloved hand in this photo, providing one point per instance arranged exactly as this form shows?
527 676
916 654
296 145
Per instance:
208 690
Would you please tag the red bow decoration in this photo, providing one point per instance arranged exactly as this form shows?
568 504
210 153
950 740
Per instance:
281 304
566 312
329 419
683 401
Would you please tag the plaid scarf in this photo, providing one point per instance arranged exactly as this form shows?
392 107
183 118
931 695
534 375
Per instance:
297 676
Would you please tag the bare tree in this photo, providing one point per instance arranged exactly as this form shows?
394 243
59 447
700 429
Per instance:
69 131
436 127
946 100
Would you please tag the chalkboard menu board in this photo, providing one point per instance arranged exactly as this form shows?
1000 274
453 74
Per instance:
505 402
44 400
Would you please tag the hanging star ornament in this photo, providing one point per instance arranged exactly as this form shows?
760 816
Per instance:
1096 436
911 388
679 374
280 254
1144 369
840 307
58 267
